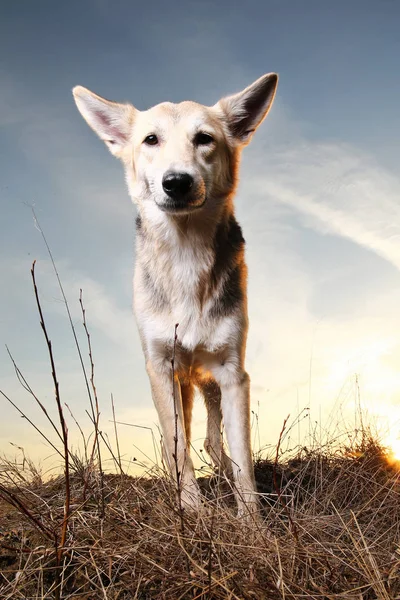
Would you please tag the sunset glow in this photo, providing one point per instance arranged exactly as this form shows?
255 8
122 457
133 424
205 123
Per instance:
394 445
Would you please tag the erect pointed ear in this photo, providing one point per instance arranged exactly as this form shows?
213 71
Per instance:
245 110
111 121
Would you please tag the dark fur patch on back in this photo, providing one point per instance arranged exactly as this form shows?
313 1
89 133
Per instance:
229 267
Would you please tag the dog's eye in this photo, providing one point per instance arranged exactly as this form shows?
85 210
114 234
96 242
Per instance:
151 140
203 139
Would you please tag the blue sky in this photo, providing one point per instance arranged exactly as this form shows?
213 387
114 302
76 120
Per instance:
318 200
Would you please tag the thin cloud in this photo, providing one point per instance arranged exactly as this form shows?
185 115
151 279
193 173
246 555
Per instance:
338 190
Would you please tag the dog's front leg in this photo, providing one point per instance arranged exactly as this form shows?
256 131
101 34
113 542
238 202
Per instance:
235 401
168 402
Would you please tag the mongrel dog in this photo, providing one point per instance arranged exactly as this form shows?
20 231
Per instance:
181 166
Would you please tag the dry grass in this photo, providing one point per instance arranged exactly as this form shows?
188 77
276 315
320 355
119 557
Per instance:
330 529
329 526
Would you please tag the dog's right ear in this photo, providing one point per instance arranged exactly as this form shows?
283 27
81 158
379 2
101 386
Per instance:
110 120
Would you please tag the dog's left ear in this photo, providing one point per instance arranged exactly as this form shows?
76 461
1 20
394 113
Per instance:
245 110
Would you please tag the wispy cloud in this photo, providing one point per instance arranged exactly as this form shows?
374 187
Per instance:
339 190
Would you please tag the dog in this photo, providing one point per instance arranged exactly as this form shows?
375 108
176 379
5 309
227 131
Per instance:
190 283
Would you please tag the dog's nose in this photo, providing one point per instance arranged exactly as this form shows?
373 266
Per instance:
177 184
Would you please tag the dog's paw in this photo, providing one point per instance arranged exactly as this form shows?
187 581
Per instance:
190 497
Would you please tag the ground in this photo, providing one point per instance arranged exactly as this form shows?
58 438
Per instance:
329 528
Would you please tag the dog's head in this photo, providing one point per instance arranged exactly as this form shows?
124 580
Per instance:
179 157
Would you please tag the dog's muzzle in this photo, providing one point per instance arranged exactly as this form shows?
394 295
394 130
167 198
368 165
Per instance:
179 188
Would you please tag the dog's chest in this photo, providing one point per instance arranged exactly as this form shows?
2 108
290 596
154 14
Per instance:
179 293
196 327
185 279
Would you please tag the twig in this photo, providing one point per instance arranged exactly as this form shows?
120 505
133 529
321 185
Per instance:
28 388
63 424
80 430
107 444
23 415
37 224
96 415
177 472
278 488
11 498
116 435
153 439
210 554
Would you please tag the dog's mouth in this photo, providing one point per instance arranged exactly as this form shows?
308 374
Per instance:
180 206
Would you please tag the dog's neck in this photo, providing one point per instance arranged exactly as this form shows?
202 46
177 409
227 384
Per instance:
184 261
169 232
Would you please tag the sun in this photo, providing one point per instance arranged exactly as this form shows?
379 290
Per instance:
394 448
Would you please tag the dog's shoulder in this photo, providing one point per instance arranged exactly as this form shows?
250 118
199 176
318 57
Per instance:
229 272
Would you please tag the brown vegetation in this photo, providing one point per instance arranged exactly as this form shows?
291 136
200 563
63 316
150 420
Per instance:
329 526
329 529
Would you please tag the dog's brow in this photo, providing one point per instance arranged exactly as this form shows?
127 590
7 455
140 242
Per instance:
160 126
199 124
153 124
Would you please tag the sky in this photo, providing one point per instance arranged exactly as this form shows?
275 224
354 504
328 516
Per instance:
318 201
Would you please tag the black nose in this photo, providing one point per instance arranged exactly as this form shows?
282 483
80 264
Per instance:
177 184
